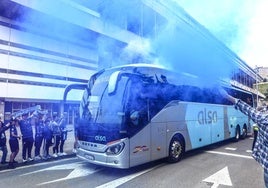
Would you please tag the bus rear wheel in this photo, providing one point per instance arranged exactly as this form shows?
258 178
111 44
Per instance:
176 149
245 132
237 134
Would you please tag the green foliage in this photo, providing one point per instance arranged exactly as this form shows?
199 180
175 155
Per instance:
263 88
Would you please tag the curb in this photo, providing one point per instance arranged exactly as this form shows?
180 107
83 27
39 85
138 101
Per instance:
28 163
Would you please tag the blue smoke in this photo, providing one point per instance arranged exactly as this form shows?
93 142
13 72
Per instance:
175 45
193 54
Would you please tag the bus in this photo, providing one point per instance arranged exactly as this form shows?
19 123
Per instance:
137 113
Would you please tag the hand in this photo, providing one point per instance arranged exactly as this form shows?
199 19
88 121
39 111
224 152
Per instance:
8 124
35 113
223 93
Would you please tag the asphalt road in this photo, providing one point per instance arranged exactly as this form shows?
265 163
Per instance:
227 164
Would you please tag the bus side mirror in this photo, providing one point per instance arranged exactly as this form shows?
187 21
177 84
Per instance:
113 82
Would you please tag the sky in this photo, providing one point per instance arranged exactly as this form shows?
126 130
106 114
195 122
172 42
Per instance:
240 24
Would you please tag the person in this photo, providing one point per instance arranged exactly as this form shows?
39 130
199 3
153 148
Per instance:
63 135
255 134
260 150
39 136
27 137
47 138
3 140
76 123
56 135
13 142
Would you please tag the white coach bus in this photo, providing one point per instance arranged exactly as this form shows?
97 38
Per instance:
134 114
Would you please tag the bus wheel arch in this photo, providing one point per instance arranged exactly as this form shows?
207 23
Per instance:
176 148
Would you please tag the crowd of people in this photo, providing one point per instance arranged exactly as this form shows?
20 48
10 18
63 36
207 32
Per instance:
38 135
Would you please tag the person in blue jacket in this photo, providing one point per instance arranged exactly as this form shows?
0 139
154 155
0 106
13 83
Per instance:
27 137
39 136
3 140
47 138
13 142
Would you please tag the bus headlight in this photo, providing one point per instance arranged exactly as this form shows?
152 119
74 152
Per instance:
115 149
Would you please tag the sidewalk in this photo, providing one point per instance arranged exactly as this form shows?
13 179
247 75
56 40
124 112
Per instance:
68 149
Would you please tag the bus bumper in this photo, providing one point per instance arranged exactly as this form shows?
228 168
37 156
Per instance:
117 161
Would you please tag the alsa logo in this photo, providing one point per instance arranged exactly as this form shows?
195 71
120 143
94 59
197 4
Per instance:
100 138
207 117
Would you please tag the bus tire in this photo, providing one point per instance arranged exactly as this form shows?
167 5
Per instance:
176 149
237 134
244 132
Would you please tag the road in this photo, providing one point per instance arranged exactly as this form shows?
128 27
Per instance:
227 164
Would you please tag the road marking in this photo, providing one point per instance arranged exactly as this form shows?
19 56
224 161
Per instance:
221 177
79 170
58 167
249 151
232 149
120 181
230 154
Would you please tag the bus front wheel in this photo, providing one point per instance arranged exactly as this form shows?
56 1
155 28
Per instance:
176 149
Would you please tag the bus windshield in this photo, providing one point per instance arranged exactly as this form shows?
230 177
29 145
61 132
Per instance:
104 108
107 109
103 112
122 113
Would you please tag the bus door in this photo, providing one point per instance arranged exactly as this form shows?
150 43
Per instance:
158 140
139 147
216 116
137 123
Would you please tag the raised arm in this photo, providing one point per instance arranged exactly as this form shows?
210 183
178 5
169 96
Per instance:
258 117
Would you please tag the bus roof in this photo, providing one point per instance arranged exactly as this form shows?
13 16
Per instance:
135 65
187 77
